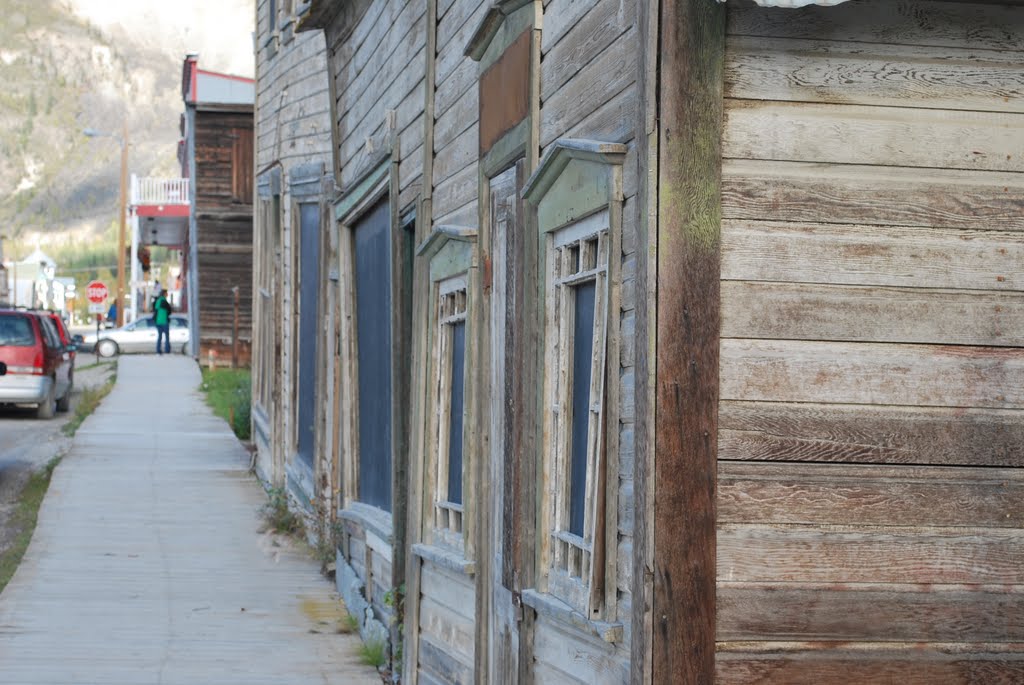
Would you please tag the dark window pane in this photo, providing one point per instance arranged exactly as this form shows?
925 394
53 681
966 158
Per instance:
373 340
582 351
309 292
16 331
455 417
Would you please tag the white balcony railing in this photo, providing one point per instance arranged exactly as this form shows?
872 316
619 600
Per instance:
159 191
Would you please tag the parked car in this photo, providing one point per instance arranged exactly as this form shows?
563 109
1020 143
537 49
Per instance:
69 341
138 336
35 365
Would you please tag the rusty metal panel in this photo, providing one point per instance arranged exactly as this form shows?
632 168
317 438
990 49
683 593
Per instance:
505 93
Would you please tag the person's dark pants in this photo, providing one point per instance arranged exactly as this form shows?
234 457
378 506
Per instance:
163 332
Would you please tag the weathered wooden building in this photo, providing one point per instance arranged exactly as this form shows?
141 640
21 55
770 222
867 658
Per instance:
674 340
295 263
216 154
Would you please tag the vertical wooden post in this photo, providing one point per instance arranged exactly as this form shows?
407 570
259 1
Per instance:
692 34
234 331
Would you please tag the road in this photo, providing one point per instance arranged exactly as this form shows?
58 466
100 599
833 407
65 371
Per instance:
27 443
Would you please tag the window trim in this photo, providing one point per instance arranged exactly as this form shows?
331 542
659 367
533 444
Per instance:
449 252
452 532
348 210
576 181
569 560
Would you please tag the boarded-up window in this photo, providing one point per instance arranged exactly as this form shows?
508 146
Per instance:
309 291
373 343
242 166
273 15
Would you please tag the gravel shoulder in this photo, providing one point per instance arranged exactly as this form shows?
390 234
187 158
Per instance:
27 444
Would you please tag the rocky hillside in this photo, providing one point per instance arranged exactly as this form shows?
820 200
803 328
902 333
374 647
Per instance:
60 75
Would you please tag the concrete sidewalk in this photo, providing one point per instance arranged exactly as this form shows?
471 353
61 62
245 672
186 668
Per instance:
148 566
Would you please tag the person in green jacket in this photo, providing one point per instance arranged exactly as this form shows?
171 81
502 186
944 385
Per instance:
162 319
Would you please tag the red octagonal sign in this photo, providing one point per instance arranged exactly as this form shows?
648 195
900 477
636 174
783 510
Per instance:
97 292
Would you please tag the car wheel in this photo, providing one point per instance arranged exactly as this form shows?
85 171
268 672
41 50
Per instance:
47 408
64 403
106 348
184 348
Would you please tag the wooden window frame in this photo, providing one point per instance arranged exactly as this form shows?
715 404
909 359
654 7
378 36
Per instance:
448 523
574 194
572 565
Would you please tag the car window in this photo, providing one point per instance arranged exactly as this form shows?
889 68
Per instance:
16 331
143 324
178 323
50 333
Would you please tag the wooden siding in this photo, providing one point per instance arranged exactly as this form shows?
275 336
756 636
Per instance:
293 128
446 626
223 214
870 525
588 90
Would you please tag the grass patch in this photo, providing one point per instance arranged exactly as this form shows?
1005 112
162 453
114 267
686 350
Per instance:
86 405
350 624
229 394
23 520
94 365
374 653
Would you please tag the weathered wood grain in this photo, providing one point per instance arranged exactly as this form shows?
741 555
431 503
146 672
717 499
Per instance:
834 554
939 24
886 136
897 612
774 431
603 23
795 311
578 658
891 75
439 664
605 76
872 255
459 117
685 414
872 373
857 495
456 191
851 194
447 629
810 663
458 155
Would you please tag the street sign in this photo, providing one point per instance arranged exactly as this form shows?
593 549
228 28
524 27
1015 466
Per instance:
97 307
97 293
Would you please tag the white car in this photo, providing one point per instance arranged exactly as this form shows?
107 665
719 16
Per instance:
138 336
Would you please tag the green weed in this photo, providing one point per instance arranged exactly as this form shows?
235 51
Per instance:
23 520
229 393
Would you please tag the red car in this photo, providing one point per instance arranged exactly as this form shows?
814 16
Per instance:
35 364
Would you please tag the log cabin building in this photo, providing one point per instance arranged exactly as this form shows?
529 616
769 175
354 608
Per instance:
672 340
216 154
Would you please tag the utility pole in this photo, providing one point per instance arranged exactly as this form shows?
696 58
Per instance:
121 230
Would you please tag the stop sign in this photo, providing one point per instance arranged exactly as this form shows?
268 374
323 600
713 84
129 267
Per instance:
97 292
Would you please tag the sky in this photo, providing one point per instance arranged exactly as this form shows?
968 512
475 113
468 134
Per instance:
219 30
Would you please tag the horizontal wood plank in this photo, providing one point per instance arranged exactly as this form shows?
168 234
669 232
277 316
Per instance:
915 613
884 136
859 495
891 75
980 26
811 554
775 431
795 311
851 194
872 373
872 255
906 664
447 590
447 628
